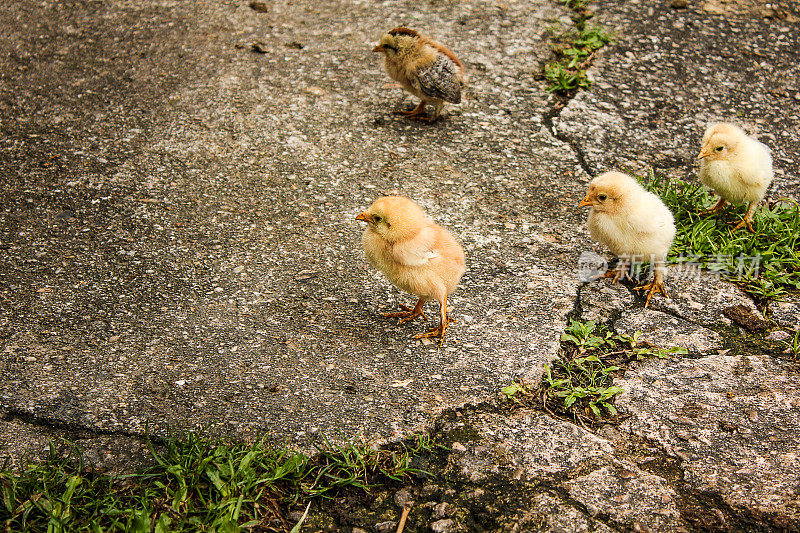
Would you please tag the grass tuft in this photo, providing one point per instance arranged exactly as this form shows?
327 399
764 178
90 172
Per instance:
573 51
766 264
580 382
195 484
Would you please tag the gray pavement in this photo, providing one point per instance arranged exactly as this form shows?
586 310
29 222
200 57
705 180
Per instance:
178 247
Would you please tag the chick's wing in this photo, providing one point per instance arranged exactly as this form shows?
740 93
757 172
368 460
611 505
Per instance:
648 214
417 251
440 80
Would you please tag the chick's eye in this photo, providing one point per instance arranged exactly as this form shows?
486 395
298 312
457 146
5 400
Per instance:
602 197
376 218
718 148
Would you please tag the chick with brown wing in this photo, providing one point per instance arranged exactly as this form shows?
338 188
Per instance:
634 223
425 68
415 253
737 167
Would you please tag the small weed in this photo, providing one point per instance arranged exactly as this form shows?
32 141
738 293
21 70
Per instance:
574 50
514 391
195 485
765 264
582 376
575 5
794 344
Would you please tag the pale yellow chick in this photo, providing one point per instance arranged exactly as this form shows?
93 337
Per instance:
634 223
737 167
424 67
415 253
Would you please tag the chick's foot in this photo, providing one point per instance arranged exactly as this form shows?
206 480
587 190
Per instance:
438 331
408 313
745 223
651 288
620 271
417 113
716 208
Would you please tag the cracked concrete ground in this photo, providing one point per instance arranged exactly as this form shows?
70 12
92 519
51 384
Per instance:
178 249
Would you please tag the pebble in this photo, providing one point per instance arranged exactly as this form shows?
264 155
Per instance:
443 526
778 335
403 498
386 527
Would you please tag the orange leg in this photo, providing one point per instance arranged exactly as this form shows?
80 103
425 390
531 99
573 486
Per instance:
417 113
440 330
748 218
717 208
657 285
621 270
408 314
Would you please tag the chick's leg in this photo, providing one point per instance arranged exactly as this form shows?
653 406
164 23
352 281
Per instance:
418 112
719 206
619 271
443 323
656 285
748 218
408 313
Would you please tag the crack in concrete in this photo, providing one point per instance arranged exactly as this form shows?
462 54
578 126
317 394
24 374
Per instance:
565 497
548 119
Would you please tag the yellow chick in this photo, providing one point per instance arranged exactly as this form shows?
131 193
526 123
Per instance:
634 223
415 253
737 167
424 67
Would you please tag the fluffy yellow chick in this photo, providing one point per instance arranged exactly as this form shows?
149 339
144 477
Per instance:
416 254
634 223
737 167
424 67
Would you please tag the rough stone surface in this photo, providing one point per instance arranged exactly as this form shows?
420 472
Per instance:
21 442
530 444
543 451
547 512
629 497
733 423
179 242
602 300
665 331
673 71
786 313
701 297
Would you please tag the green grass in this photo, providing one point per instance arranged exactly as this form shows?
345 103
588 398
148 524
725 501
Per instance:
580 382
708 241
575 5
195 484
574 50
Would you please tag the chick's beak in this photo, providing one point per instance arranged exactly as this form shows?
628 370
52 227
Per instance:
705 152
378 48
362 216
586 202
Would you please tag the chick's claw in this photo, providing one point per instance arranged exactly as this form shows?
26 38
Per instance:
620 271
716 208
745 223
417 113
651 288
408 314
438 331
